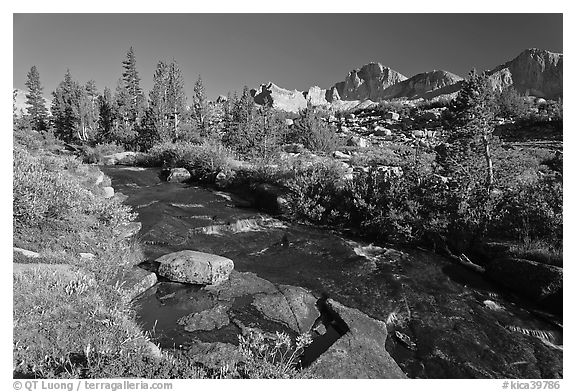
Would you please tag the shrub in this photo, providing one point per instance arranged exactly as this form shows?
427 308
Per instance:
203 161
511 104
532 210
383 206
314 192
313 132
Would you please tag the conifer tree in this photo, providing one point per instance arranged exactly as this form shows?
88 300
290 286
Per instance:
35 101
135 103
124 130
200 107
176 98
471 117
65 108
167 103
106 116
157 114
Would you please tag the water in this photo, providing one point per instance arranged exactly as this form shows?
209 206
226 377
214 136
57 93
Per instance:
461 325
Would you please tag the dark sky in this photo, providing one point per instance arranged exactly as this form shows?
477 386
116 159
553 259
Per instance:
295 51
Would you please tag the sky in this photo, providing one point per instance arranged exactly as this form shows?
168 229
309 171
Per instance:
295 51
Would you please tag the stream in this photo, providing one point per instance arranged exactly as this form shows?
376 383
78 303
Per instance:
461 325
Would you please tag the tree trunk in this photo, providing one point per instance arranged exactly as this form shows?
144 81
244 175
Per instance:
488 157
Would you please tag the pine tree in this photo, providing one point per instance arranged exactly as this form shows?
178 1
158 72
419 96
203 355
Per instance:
65 109
124 130
176 98
471 118
135 103
35 101
167 103
200 107
157 114
106 116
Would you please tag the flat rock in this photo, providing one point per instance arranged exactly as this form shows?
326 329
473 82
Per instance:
27 253
188 266
360 352
240 284
293 306
134 281
207 320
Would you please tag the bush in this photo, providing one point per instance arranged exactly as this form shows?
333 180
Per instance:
313 132
203 161
512 104
314 192
532 210
383 206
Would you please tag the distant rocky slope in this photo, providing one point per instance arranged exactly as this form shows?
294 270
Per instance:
421 84
535 72
278 97
368 82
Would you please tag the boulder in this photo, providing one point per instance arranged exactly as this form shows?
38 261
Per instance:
381 131
341 155
289 122
540 282
99 178
360 352
223 179
207 320
133 281
392 116
178 174
221 99
108 192
357 141
418 133
188 266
